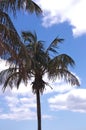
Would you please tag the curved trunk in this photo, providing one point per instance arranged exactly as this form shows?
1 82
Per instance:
38 109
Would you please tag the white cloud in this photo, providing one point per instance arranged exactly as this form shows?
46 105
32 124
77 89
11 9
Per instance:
72 11
17 106
74 100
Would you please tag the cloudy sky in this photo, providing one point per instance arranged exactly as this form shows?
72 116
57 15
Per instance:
63 107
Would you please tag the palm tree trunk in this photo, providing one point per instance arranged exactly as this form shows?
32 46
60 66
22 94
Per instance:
38 109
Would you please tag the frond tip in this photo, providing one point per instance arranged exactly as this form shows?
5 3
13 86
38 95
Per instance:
72 79
54 44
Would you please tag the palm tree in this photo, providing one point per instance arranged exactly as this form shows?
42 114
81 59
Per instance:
37 62
8 33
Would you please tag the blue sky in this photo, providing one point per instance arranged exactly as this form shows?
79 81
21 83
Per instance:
63 107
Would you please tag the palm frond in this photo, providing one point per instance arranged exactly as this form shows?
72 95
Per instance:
52 47
5 76
5 20
31 6
13 77
66 75
30 37
9 41
15 5
61 62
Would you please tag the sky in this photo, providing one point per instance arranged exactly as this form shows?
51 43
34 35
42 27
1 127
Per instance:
64 106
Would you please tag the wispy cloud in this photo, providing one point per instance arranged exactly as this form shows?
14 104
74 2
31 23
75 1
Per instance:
72 11
74 100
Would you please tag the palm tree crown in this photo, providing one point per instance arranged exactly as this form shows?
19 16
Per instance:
35 61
